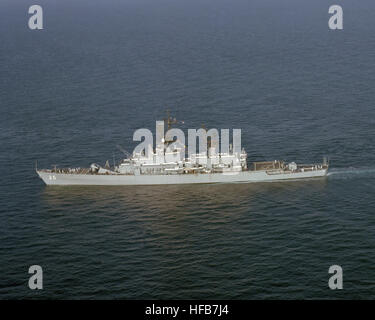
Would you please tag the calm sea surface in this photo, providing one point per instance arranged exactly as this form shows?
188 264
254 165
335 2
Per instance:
101 69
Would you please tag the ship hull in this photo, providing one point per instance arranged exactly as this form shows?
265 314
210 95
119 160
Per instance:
52 178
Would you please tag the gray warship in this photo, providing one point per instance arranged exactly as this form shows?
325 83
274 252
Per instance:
156 168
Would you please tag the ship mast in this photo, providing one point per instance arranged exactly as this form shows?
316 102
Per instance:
169 120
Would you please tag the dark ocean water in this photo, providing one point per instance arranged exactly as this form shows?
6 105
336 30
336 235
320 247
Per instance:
101 69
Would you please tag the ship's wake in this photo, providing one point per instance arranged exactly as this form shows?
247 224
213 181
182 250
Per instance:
351 172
